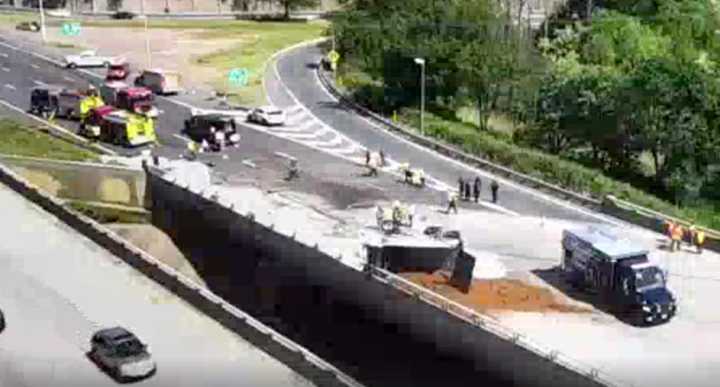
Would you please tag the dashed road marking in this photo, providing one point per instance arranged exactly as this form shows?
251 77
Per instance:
39 83
11 87
4 55
5 69
33 65
68 79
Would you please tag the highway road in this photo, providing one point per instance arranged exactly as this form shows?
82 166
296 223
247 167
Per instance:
57 288
298 75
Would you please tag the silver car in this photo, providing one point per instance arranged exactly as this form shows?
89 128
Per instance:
267 115
121 354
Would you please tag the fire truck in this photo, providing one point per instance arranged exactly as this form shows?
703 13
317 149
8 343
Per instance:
92 124
127 129
136 100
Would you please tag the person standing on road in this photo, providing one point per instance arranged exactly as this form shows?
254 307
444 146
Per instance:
494 187
452 198
367 157
699 240
476 189
467 190
382 158
461 186
691 234
677 235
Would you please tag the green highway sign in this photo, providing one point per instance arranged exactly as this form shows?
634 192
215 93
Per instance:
71 29
238 77
333 56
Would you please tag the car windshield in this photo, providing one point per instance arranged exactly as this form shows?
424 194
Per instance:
117 67
648 278
275 112
127 347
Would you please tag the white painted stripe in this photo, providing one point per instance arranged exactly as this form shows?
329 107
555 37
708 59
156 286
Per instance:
33 65
282 129
43 57
68 79
9 86
181 137
5 69
39 83
335 141
308 135
4 55
56 127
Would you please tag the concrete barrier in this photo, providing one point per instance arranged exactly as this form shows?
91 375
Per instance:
283 349
90 182
247 246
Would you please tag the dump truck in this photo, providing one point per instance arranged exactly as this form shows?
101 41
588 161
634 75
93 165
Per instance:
595 259
127 129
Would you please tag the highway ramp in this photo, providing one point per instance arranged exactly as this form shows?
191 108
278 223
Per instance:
57 288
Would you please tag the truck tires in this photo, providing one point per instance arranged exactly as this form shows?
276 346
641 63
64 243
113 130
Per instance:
72 65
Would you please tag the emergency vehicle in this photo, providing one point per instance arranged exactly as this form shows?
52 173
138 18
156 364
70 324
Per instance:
69 103
127 129
91 125
136 100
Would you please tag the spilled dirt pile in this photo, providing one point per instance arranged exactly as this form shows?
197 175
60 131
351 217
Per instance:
496 294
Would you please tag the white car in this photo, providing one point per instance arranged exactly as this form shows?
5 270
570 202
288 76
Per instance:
88 59
267 115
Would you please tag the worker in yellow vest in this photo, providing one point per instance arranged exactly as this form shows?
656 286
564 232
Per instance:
699 240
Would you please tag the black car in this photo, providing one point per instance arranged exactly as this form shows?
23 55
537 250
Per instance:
200 127
44 100
123 15
122 354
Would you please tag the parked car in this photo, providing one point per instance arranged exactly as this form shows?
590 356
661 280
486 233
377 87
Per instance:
121 354
267 115
160 81
200 127
123 15
89 58
28 26
44 100
118 71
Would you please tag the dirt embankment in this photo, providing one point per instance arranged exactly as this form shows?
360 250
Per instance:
497 294
159 245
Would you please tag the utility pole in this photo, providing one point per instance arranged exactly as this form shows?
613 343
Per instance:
421 62
142 7
42 22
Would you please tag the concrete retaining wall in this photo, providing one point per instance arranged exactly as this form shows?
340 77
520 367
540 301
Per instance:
261 336
82 181
239 252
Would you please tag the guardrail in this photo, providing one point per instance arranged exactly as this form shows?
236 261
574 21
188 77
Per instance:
492 325
456 153
195 294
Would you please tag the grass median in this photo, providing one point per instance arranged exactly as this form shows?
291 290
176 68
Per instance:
21 139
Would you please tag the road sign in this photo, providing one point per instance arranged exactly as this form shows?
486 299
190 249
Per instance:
71 29
333 56
238 77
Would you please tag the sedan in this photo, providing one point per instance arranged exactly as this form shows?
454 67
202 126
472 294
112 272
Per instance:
88 59
121 354
267 115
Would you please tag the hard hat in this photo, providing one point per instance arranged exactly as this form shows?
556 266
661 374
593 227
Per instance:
396 203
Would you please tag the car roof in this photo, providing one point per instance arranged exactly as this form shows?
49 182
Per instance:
114 333
137 90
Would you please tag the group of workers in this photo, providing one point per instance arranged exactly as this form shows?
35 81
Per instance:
468 193
390 219
677 233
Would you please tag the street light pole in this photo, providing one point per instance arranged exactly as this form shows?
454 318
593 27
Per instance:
147 42
42 21
421 62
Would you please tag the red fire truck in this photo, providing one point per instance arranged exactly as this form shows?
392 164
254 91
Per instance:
136 100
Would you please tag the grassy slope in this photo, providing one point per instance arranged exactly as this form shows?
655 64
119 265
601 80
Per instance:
19 139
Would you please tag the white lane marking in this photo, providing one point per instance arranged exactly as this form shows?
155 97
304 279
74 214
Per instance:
43 57
39 83
9 86
33 65
68 79
5 69
56 127
4 55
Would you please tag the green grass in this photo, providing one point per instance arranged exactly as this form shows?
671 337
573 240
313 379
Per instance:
23 140
257 41
18 17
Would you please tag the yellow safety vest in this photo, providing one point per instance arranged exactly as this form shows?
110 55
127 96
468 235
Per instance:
700 237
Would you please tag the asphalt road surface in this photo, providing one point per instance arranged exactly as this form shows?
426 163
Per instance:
297 72
57 288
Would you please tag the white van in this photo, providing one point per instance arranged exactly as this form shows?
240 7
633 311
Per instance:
160 81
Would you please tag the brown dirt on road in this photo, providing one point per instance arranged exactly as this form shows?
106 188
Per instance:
500 294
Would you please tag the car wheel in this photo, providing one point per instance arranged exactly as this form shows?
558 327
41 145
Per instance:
72 65
106 64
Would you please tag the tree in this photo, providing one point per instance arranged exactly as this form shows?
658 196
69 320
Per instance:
295 4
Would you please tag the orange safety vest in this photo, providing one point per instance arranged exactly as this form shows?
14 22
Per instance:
677 232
